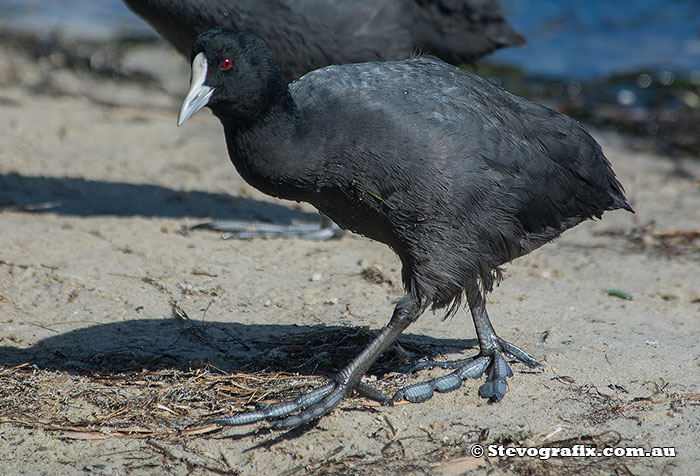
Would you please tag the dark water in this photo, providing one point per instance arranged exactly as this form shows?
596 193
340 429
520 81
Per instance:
578 39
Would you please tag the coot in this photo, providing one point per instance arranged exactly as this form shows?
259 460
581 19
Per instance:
455 174
308 34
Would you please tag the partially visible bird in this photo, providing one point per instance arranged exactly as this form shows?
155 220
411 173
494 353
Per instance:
308 34
453 173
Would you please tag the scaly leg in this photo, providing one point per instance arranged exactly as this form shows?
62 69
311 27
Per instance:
318 402
490 360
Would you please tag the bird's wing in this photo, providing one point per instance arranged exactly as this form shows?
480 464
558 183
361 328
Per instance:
459 141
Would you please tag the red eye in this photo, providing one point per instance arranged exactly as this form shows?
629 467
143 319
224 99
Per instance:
226 64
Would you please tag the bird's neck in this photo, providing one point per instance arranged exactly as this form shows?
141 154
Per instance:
264 150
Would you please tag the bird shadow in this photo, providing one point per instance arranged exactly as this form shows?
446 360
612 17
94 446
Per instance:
136 346
155 344
81 197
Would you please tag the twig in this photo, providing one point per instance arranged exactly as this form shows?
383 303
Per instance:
191 460
644 403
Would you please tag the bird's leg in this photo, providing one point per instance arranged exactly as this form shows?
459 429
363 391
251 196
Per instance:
246 230
318 402
490 360
494 347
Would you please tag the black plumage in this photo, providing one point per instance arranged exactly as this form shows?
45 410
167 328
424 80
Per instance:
455 174
308 34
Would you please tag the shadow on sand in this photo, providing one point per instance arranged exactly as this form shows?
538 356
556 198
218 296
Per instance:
151 344
80 197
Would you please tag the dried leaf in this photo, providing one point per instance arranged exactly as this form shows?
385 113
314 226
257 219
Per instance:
460 465
83 435
202 430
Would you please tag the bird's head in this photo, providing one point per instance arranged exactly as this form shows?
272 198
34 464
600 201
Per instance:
234 74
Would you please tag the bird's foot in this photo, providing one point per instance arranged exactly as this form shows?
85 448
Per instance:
245 230
493 364
310 406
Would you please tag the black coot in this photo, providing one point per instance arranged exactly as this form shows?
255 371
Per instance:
308 34
456 175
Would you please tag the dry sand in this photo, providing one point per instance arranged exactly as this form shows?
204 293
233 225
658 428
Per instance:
101 374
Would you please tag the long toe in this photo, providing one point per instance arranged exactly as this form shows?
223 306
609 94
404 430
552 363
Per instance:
246 230
280 409
317 410
495 387
429 364
371 393
516 353
420 392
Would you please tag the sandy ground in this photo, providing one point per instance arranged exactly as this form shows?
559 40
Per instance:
100 373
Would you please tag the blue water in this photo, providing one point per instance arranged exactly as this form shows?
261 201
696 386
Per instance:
590 38
578 39
80 18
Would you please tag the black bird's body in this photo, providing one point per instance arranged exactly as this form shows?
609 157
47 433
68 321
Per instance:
440 149
456 175
308 34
